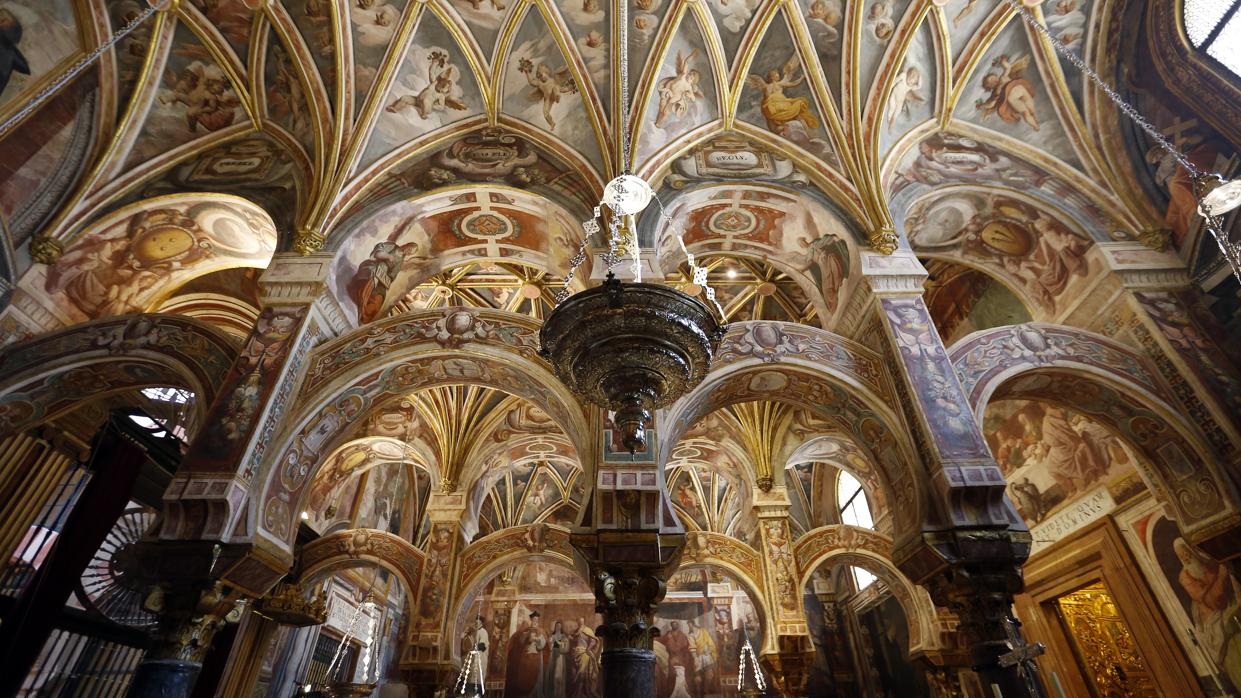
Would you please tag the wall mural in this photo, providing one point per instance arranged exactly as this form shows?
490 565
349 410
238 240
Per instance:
393 251
1199 595
151 247
1052 457
1032 249
35 37
540 622
684 94
962 300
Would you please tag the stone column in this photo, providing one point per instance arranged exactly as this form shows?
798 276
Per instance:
428 657
190 614
790 663
629 571
974 543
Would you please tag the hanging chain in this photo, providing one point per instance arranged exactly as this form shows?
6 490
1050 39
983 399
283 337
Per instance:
699 274
77 68
623 37
340 649
1112 95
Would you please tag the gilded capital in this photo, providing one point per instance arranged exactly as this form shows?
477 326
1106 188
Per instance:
308 241
45 250
1158 239
884 240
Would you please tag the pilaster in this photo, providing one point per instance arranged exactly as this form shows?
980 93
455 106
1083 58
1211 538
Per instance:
428 652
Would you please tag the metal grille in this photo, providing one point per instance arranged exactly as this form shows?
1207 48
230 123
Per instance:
321 659
42 535
72 665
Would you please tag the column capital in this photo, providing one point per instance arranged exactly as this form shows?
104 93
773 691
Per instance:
896 274
1139 267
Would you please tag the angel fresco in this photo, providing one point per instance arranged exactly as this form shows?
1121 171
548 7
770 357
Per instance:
1012 96
547 86
441 92
374 278
879 20
778 108
375 21
678 95
905 92
205 92
826 15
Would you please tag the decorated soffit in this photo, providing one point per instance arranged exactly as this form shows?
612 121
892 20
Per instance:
333 108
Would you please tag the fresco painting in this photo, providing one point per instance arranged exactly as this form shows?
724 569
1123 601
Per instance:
1068 21
964 300
911 99
1052 456
314 20
1199 595
1006 93
395 250
589 24
285 95
374 24
885 649
433 88
732 18
484 18
880 19
130 51
539 619
825 21
539 88
123 266
646 18
195 99
965 18
778 97
527 492
234 19
1030 247
684 95
35 37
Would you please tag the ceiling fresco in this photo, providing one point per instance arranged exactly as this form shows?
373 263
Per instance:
866 106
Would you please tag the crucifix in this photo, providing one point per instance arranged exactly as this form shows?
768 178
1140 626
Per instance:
1022 656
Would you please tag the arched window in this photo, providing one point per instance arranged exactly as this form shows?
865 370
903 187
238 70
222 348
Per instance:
852 500
1214 27
862 578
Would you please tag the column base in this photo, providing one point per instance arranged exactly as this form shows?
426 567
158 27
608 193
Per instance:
628 673
164 678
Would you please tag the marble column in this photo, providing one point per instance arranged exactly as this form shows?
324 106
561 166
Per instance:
974 543
630 572
190 614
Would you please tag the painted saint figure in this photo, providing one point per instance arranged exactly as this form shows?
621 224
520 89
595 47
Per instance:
778 108
476 638
583 662
11 58
556 681
1213 605
528 652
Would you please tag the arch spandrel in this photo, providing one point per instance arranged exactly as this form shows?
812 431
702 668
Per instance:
45 376
356 374
1117 387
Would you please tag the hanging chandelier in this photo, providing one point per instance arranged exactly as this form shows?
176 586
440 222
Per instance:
631 347
1216 195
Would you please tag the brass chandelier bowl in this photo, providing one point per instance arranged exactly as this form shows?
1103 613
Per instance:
632 348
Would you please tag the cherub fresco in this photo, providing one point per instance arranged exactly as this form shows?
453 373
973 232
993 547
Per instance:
824 18
778 108
546 86
441 92
1067 21
679 94
205 93
374 22
1012 96
879 20
906 91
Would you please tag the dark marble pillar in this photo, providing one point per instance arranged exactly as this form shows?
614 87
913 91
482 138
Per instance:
164 678
628 671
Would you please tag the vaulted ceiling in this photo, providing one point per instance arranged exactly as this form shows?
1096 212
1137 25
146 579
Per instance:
327 112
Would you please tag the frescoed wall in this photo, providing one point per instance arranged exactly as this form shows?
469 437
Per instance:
540 621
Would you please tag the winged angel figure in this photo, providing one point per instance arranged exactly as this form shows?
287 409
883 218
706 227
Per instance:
679 93
547 85
440 93
778 108
1012 96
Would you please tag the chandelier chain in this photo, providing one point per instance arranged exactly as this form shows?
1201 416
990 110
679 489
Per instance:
1124 106
624 84
76 69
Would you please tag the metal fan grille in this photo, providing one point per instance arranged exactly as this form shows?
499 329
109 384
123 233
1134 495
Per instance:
108 582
